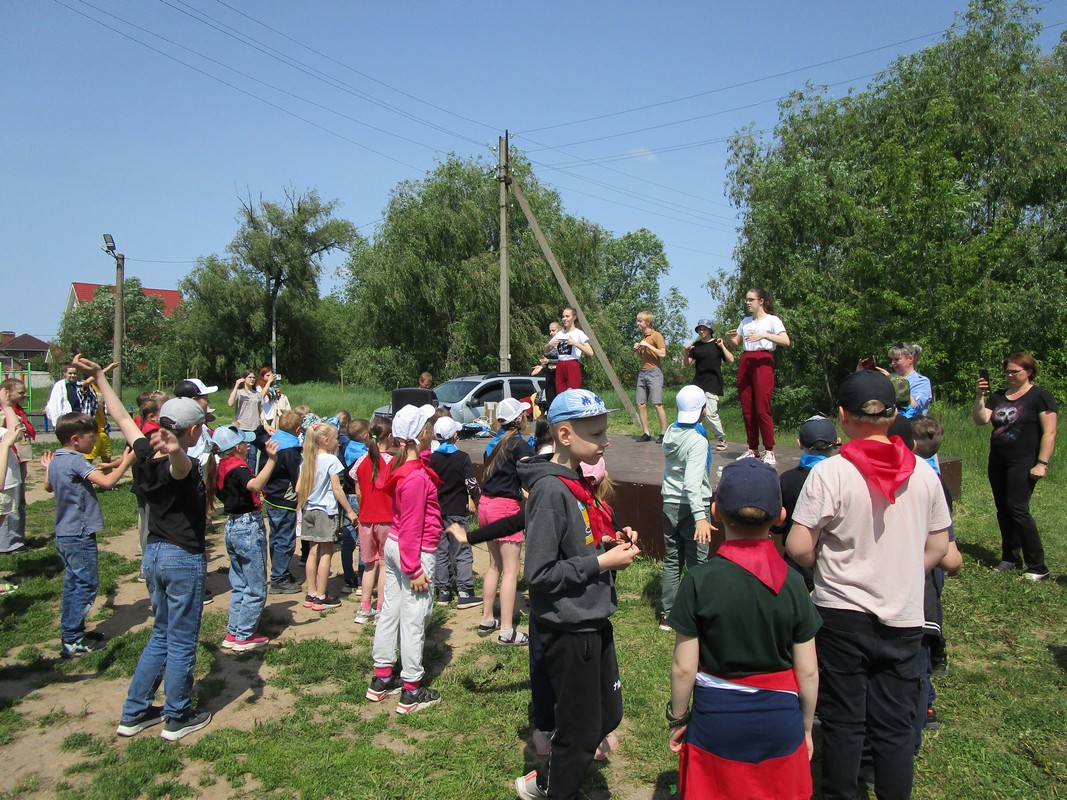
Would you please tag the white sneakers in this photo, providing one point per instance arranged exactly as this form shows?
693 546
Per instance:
766 458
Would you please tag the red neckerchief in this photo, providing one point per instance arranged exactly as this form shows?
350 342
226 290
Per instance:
148 427
759 557
599 512
226 466
390 480
885 466
31 434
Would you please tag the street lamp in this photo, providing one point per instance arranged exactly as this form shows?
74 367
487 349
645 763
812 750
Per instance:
116 346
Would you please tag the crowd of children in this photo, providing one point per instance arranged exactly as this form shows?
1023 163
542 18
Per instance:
398 496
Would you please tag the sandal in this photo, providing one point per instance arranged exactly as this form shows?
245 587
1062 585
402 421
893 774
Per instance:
720 445
485 628
518 639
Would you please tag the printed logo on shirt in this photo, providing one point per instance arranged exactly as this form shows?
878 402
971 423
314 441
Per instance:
588 526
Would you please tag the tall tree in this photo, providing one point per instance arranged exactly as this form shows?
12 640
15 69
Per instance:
284 243
922 209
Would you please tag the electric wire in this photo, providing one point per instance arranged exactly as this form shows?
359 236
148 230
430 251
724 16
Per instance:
239 89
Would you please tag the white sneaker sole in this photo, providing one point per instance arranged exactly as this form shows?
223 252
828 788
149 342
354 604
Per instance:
173 736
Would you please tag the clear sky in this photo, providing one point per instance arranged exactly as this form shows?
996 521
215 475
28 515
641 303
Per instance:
151 128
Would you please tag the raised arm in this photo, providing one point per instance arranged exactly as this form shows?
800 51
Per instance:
979 413
727 353
112 402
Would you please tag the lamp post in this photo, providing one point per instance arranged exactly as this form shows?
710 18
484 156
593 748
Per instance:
116 347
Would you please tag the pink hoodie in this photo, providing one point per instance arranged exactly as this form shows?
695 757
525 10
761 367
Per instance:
416 512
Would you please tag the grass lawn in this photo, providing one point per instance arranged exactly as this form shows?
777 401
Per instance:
1002 705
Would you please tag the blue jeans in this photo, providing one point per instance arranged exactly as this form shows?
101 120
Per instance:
246 545
282 540
175 580
80 582
349 543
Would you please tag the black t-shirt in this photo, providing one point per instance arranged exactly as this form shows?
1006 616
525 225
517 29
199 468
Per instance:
176 509
792 481
707 356
236 499
504 480
457 474
1016 433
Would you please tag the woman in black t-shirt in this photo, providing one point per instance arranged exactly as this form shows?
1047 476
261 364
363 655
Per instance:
1024 434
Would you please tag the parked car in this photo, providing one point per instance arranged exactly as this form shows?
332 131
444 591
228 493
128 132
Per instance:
466 395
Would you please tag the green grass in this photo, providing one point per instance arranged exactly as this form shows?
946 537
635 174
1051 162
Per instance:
1003 704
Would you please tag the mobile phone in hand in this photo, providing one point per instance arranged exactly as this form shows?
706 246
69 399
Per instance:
984 375
868 363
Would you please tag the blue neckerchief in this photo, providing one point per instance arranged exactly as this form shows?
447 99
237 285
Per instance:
932 461
809 460
446 448
696 426
353 451
285 439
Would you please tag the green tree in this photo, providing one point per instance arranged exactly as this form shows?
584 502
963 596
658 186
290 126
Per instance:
284 243
89 328
425 294
922 209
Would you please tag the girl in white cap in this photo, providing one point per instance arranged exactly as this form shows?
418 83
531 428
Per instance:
501 493
410 553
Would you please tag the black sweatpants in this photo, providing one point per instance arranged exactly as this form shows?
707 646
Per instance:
584 673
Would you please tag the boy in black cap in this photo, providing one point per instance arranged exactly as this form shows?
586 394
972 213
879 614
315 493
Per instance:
745 652
872 521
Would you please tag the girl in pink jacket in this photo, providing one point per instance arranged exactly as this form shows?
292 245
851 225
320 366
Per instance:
410 553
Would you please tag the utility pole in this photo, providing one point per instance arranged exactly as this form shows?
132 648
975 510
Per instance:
505 284
546 250
116 346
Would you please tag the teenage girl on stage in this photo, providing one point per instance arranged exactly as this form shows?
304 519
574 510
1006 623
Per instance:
760 333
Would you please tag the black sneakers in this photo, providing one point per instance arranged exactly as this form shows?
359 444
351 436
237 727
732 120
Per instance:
412 701
175 729
153 715
380 687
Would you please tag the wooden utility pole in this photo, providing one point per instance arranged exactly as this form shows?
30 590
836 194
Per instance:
505 283
120 322
624 397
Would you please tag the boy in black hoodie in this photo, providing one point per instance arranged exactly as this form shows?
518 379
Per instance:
570 556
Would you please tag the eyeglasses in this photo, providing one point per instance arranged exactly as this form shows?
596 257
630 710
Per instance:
751 299
1013 371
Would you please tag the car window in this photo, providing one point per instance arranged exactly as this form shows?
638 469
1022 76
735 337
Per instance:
521 388
492 392
454 391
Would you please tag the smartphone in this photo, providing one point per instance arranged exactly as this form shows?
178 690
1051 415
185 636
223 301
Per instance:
867 363
984 375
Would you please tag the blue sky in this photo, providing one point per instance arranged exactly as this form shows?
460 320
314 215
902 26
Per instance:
102 134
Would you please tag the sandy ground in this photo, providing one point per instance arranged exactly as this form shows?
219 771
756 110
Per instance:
85 702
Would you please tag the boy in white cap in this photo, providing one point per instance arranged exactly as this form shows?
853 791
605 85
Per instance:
686 494
570 560
458 495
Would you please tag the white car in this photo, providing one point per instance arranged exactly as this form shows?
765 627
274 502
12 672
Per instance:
466 395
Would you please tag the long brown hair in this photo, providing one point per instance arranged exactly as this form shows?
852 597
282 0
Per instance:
507 441
380 430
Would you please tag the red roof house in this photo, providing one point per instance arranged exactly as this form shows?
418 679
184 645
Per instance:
83 293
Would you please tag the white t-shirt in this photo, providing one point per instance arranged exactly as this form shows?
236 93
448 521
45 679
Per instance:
13 479
769 324
321 496
566 350
869 556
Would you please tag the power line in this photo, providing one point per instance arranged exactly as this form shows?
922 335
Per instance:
307 69
239 89
356 71
262 82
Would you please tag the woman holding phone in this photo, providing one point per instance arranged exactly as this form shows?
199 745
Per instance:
760 333
1020 447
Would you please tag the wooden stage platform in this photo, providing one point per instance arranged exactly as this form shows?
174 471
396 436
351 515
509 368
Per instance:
636 469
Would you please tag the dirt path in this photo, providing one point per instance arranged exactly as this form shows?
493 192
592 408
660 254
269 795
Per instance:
56 705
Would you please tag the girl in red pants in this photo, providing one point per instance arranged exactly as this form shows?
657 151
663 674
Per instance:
760 333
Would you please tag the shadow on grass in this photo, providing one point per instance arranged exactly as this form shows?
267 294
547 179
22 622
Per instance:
980 553
1059 655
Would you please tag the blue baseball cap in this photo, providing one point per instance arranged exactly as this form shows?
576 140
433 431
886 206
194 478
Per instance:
749 483
576 404
227 437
